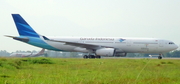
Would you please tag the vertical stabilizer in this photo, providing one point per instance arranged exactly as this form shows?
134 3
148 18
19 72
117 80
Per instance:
23 27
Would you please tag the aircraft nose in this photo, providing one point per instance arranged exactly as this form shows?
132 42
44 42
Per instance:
176 46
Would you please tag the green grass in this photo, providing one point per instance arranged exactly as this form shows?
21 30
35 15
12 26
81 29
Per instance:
88 71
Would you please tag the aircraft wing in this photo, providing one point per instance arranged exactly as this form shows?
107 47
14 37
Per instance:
82 45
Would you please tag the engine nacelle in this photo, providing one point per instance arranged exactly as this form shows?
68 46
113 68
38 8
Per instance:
120 54
105 52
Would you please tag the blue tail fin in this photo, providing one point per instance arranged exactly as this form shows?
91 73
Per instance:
23 27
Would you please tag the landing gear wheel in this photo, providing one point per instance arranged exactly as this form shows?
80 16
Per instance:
98 56
85 57
92 56
159 57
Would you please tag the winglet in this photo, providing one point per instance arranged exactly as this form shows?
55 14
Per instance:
23 27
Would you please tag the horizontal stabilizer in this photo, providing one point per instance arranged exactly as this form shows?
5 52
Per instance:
24 39
9 36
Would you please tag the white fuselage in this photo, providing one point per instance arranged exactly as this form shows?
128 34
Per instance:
18 54
127 45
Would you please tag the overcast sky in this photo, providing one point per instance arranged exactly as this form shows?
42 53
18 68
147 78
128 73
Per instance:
92 18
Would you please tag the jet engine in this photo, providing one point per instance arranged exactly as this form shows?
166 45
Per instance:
110 52
120 54
105 52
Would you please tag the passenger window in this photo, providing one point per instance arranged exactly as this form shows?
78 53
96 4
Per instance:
171 43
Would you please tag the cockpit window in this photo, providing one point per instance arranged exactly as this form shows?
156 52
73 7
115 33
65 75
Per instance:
171 43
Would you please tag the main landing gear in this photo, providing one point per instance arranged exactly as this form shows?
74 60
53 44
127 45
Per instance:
160 56
91 56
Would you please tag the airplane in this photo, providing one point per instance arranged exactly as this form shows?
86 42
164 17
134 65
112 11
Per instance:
15 54
94 46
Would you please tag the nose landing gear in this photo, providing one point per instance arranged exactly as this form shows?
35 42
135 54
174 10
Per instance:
160 56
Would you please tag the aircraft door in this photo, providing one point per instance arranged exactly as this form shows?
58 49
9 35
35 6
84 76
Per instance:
128 42
161 44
